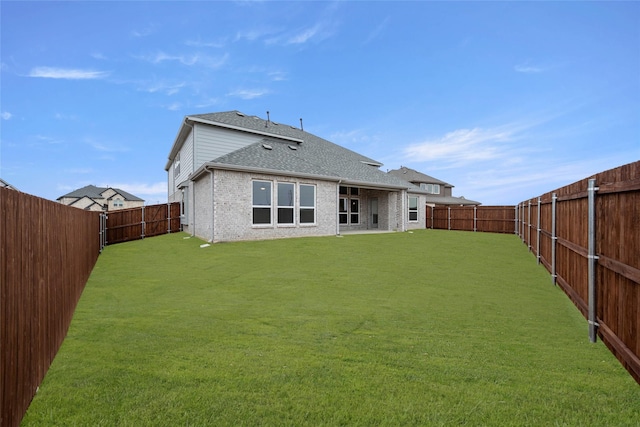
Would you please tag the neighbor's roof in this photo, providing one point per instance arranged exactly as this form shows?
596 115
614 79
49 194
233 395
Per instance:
292 151
413 175
94 192
4 183
450 200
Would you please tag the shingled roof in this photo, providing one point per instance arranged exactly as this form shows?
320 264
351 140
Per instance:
93 192
413 175
292 151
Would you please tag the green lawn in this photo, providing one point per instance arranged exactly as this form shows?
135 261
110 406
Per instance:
424 328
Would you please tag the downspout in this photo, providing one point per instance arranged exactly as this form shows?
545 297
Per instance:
212 207
193 211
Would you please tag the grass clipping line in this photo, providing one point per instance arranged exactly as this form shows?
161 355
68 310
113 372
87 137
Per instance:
425 328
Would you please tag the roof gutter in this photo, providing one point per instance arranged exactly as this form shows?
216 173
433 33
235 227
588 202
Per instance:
235 168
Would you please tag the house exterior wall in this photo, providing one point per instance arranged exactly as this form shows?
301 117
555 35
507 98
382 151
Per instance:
228 215
422 213
213 142
186 168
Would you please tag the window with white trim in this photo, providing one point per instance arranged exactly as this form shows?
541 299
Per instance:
413 209
261 202
307 204
431 188
286 192
118 203
176 166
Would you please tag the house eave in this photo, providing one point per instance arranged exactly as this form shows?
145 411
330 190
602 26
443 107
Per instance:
236 168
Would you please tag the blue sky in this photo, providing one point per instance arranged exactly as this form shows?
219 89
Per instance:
504 100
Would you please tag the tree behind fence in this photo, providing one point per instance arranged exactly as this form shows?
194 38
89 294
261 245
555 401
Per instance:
47 252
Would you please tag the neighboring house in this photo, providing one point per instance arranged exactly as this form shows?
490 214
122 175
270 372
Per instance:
439 192
5 184
92 198
240 177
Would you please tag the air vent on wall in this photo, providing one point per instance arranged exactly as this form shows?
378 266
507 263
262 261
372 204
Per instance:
293 147
267 147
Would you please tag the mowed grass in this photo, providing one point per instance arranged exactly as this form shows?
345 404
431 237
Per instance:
423 328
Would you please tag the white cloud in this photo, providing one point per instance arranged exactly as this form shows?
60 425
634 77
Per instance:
151 192
6 115
187 59
249 93
528 69
463 146
107 148
201 43
377 31
67 73
304 35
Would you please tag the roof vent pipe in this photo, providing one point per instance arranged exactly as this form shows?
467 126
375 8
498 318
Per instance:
301 127
268 120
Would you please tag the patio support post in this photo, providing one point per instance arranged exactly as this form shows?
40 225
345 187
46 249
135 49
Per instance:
538 234
554 238
592 258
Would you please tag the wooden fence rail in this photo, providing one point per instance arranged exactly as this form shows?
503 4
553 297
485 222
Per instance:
146 221
597 265
587 235
491 219
47 252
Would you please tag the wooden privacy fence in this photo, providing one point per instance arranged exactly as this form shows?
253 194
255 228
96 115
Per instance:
137 223
47 252
587 235
492 219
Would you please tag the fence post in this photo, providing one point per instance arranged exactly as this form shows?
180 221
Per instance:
522 223
592 258
538 234
143 223
529 226
168 218
554 239
449 216
515 230
475 217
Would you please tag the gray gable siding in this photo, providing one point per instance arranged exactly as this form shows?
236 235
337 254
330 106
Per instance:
215 142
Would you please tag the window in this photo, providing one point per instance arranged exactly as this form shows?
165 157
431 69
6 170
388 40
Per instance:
413 209
349 207
118 203
431 188
307 204
354 209
261 202
176 166
344 211
285 202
